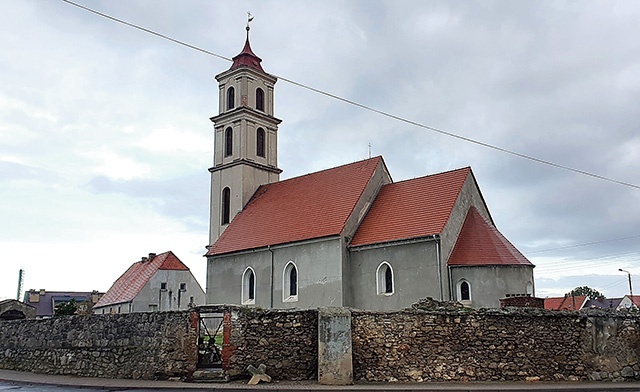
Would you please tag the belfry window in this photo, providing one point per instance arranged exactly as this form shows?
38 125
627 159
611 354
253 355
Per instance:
290 283
384 279
228 142
226 205
231 97
248 286
260 142
260 99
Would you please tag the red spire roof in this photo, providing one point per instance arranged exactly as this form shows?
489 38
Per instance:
311 206
480 243
412 208
133 280
247 58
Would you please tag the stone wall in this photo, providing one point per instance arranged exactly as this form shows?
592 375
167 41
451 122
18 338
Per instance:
138 345
494 345
286 341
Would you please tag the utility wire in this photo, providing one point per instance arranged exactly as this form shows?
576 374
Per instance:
371 109
584 244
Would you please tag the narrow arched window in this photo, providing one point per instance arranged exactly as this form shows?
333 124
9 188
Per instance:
290 283
464 290
384 279
260 142
228 142
231 98
226 205
260 99
248 286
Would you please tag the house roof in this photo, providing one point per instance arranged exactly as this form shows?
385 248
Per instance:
133 280
412 208
603 303
635 299
480 243
565 303
311 206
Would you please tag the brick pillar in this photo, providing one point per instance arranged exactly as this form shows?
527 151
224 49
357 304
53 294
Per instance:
227 347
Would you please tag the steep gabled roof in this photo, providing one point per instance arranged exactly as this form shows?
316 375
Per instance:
565 303
311 206
133 280
480 243
412 208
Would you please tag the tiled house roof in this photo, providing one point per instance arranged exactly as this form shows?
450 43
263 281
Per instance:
480 243
133 280
311 206
565 303
412 208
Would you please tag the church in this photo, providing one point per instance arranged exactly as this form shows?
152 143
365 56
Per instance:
345 236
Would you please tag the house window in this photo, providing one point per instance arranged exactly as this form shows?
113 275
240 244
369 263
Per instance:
260 99
231 97
153 308
228 142
290 283
260 142
183 287
163 286
248 286
464 290
226 205
384 279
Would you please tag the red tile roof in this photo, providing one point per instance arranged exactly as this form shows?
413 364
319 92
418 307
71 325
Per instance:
565 303
412 208
480 243
311 206
133 280
247 58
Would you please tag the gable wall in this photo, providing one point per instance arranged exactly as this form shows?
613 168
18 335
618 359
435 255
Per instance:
319 264
490 283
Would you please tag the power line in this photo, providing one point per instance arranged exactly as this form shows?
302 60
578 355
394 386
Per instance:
371 109
584 244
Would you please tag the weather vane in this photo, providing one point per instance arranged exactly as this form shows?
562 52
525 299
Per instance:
249 19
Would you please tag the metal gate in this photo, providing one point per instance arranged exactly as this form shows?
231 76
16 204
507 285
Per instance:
210 339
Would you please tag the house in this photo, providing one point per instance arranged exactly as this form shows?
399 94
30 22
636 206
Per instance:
11 309
344 236
603 303
629 302
155 283
568 302
45 301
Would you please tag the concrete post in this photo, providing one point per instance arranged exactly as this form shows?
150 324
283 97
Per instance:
335 366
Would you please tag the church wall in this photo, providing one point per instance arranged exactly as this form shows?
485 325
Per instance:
319 275
490 283
415 275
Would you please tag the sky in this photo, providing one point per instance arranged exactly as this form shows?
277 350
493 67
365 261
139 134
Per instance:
105 137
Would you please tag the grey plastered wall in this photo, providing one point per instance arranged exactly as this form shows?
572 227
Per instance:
319 274
414 271
490 283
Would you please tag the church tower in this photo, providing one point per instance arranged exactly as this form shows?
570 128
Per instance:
245 138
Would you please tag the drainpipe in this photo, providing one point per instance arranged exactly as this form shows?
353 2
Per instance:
450 283
271 283
437 241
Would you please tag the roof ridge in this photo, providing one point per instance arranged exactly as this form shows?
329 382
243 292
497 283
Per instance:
468 168
377 157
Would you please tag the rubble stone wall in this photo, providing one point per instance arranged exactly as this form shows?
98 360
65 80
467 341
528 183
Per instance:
138 345
494 345
286 341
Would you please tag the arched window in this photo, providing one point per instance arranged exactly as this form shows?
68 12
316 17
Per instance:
259 99
384 279
290 283
226 205
228 142
260 142
248 287
231 98
464 290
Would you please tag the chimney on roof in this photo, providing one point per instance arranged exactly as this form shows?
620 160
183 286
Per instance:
143 260
152 256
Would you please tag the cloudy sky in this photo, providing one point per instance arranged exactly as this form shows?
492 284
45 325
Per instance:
105 137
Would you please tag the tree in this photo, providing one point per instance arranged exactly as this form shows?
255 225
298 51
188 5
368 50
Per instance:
586 291
67 308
